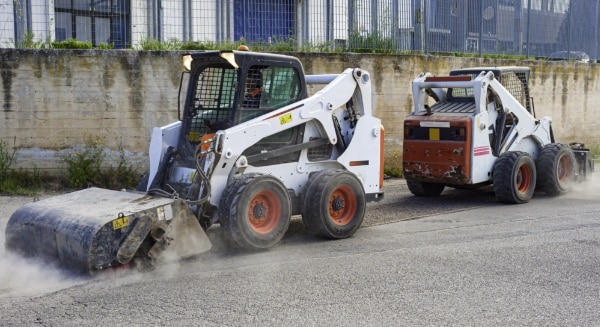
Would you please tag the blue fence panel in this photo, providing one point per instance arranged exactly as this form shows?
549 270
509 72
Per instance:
264 20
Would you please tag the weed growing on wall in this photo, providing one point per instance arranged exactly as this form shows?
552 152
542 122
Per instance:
29 42
20 181
105 46
83 165
72 44
370 43
393 166
6 158
123 176
154 45
84 168
25 182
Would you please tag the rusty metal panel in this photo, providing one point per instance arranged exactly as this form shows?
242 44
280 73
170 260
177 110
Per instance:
438 149
437 161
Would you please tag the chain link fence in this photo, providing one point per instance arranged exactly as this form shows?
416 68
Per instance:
527 28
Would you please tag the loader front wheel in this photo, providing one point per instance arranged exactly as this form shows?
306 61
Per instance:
255 211
556 168
514 177
334 204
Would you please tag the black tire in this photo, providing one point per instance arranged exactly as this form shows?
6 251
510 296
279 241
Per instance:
227 196
255 211
424 189
556 169
334 204
514 177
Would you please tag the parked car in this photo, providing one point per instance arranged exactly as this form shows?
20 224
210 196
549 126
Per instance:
579 56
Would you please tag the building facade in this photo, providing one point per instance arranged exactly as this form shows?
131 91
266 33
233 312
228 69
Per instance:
523 27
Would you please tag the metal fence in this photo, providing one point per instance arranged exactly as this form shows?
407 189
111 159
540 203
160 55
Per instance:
514 27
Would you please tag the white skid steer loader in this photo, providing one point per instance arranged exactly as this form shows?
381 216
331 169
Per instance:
480 128
250 150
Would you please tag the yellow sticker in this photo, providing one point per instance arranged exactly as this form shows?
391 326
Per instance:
285 119
120 222
434 134
194 136
160 212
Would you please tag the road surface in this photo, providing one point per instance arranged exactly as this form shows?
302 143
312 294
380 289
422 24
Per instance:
460 259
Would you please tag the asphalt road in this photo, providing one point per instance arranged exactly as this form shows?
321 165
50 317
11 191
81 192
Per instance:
460 259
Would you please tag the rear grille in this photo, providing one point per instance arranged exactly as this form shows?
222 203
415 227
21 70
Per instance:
458 107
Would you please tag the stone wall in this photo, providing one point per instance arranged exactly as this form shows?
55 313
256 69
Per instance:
52 100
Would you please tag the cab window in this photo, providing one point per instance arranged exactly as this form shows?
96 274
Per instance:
211 102
268 88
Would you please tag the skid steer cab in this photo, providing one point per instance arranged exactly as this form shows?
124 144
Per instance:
251 148
477 126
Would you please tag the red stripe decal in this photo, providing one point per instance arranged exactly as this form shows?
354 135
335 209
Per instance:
481 151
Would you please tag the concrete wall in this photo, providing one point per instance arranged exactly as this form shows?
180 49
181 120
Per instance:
52 100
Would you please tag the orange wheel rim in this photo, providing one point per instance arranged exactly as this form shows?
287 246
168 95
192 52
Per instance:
524 179
342 205
564 169
264 212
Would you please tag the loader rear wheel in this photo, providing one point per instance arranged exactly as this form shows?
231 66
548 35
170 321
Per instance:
255 211
423 188
334 204
556 168
514 177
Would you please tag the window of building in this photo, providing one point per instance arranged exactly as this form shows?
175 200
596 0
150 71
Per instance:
98 21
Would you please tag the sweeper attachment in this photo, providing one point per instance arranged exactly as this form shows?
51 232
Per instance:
94 229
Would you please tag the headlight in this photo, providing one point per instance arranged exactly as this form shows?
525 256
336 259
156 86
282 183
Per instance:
186 60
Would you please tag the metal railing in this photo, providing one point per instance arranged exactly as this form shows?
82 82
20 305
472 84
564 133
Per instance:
480 27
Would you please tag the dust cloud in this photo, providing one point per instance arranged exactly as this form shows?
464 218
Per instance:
26 277
29 277
587 190
21 276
